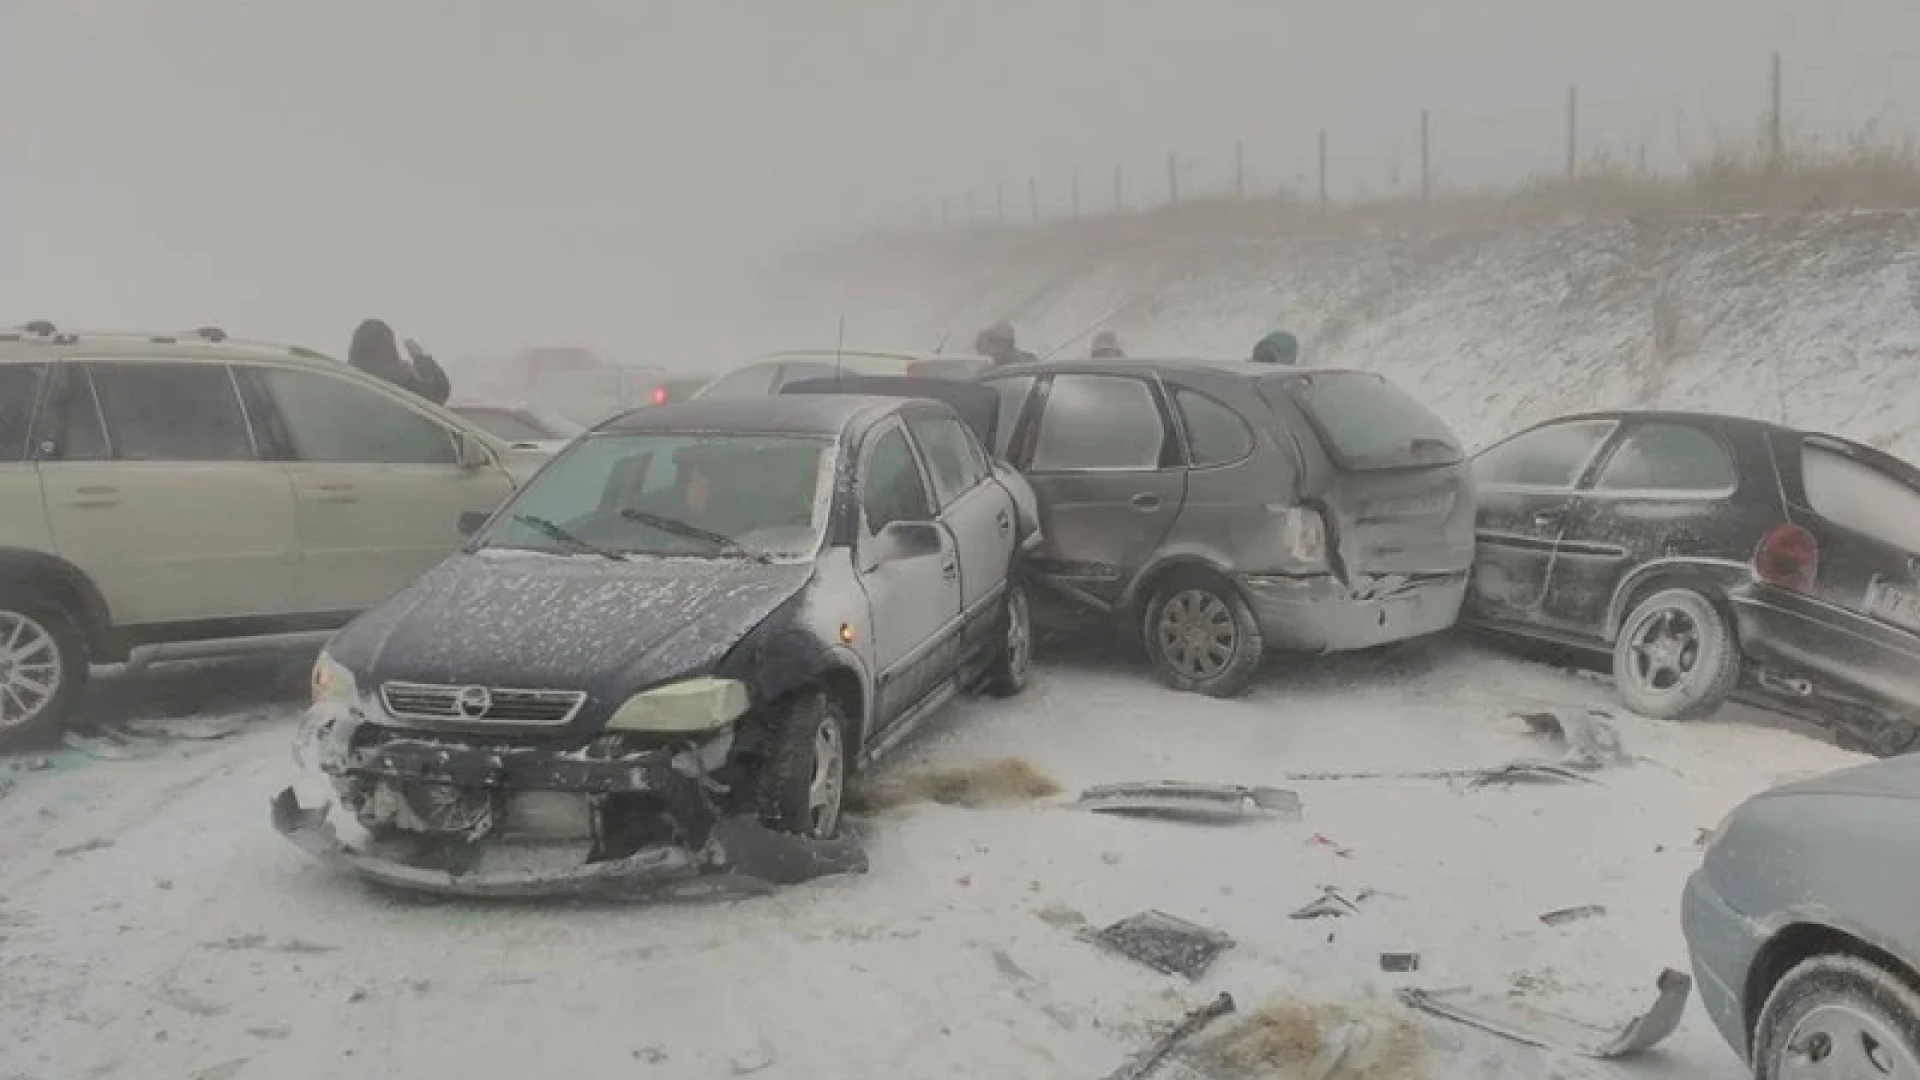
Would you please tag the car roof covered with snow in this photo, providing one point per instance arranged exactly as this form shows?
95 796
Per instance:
823 415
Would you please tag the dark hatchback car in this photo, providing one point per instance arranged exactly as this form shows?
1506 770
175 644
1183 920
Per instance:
1710 553
696 614
1228 508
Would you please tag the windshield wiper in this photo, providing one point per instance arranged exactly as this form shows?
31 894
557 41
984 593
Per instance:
720 541
562 536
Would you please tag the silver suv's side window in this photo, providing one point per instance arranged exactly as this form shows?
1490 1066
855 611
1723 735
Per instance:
333 420
949 451
19 392
171 412
893 490
1099 423
1215 434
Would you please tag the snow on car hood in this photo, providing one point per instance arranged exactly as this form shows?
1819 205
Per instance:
526 621
1894 778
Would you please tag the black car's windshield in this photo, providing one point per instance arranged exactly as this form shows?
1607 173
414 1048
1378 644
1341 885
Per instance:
702 495
1368 423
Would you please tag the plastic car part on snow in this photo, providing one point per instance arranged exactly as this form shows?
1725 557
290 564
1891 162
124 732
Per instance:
1535 1027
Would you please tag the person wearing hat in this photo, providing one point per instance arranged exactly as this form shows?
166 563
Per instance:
996 344
1106 346
1278 347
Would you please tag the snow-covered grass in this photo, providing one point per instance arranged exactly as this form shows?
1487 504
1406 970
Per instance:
199 943
1809 319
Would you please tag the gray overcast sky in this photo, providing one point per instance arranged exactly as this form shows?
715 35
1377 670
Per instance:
488 173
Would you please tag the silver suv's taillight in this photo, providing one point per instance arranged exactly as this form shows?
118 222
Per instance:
1303 535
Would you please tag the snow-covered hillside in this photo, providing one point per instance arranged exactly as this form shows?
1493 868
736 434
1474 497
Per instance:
1814 320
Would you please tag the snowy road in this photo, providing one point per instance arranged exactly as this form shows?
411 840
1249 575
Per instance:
152 925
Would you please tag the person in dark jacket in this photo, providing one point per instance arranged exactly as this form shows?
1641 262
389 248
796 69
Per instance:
376 351
1278 347
996 344
1106 346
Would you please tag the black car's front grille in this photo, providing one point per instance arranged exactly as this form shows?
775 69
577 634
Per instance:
480 704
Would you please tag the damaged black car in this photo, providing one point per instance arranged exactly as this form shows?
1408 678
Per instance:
669 652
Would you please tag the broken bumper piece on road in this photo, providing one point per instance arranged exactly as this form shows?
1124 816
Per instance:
740 858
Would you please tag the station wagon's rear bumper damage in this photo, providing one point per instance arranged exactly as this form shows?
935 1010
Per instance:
470 816
1324 614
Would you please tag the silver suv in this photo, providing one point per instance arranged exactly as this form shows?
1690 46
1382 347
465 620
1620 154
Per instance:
184 494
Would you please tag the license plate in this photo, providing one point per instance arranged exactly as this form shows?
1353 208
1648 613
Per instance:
1894 604
1439 504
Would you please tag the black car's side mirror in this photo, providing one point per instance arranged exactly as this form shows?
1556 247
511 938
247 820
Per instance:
471 521
907 540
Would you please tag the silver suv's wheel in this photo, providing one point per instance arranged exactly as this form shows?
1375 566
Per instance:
1676 657
43 664
1838 1016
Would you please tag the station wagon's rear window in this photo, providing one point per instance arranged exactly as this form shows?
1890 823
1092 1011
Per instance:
1368 423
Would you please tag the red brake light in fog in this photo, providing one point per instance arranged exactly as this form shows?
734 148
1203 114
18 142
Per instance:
659 395
1788 556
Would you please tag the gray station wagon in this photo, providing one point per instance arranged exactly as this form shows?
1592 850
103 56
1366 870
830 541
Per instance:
1229 508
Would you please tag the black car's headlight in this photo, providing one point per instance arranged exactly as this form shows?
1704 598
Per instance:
333 683
690 707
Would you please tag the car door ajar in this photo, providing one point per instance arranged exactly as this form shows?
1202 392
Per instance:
1663 490
1098 450
914 596
156 489
1525 491
977 513
381 489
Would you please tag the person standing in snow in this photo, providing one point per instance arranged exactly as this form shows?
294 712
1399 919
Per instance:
1278 347
376 351
1106 346
996 344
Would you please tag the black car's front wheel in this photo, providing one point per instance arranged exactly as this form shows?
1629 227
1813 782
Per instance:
1676 657
1838 1016
1201 635
799 783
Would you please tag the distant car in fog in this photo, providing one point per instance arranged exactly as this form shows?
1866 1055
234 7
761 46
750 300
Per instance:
1230 508
588 396
521 428
1708 554
770 374
181 494
672 388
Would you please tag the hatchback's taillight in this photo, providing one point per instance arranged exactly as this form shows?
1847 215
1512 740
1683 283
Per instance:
1789 557
1303 535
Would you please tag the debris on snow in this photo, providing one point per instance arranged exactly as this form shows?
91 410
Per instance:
1573 914
226 1070
1587 736
1331 903
1317 1042
1007 782
98 843
1147 1060
1399 961
1530 772
759 1059
1164 943
1200 803
1061 916
32 764
1320 840
196 728
1536 1027
104 749
276 1032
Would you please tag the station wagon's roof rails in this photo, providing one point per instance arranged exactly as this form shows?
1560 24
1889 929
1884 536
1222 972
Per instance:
198 337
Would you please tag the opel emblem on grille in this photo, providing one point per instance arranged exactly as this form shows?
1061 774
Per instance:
473 702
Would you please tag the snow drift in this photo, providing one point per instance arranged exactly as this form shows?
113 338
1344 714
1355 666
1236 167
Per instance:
1811 320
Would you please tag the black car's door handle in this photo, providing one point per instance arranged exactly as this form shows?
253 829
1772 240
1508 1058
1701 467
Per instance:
1145 501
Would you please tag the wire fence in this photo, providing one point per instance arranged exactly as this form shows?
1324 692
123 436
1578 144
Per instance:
1567 137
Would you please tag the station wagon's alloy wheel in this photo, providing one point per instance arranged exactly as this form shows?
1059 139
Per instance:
1676 658
1014 665
1838 1016
43 665
1202 636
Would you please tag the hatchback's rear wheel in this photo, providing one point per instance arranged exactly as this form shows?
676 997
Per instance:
1202 636
1676 657
1838 1016
43 665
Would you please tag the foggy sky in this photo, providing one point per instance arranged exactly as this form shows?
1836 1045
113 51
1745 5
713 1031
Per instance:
487 174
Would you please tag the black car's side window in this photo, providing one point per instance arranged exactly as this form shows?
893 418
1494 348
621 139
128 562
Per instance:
19 393
1099 423
949 452
1548 457
894 490
1670 458
1013 399
171 412
1215 433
